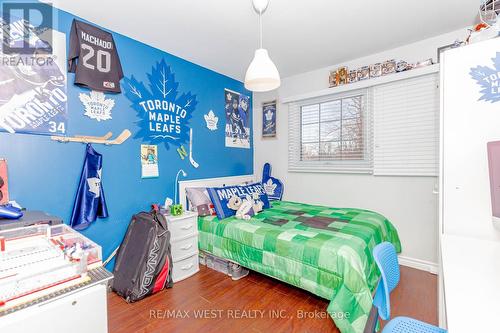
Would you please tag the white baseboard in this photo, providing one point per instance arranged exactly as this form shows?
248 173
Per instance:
422 265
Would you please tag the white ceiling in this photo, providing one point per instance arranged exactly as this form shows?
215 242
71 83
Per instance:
300 35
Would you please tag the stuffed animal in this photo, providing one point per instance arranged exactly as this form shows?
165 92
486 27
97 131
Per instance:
243 207
258 205
234 202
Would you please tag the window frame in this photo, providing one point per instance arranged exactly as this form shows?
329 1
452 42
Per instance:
329 165
340 122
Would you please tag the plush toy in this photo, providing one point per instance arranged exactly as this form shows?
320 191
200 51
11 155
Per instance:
243 207
234 202
272 186
176 210
258 205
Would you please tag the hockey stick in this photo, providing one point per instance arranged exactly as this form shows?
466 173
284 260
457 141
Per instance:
104 137
193 162
124 135
111 256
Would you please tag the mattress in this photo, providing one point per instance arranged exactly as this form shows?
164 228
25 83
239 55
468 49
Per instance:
327 251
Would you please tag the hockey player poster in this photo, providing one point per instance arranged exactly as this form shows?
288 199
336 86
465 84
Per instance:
33 96
237 119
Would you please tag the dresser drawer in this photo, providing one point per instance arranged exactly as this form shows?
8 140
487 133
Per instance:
185 268
184 248
182 228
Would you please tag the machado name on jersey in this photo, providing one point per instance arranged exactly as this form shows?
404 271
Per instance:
98 66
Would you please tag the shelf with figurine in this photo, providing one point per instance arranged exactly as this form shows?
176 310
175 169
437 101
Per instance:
391 75
342 75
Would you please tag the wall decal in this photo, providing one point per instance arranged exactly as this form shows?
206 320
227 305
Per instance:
211 120
149 161
33 94
269 119
35 161
163 116
489 80
191 159
237 119
97 106
182 152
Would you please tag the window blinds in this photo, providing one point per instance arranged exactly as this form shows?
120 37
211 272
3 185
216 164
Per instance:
406 127
331 134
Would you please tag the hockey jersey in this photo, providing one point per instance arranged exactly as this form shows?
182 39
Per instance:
98 66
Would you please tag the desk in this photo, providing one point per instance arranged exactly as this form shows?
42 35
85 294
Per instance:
76 309
471 273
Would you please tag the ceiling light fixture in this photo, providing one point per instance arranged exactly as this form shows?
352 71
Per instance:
262 74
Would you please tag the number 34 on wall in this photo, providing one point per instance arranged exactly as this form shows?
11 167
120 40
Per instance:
55 127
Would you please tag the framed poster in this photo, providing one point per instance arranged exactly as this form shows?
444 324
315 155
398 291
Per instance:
269 119
237 109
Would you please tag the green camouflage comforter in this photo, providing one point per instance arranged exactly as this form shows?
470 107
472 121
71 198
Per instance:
327 251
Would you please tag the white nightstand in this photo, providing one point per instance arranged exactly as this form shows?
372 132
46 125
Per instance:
184 243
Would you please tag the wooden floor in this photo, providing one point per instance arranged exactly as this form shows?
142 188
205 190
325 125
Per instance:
211 302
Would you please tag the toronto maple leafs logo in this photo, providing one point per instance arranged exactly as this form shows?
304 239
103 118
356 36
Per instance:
489 80
163 115
211 120
94 184
269 187
269 115
97 106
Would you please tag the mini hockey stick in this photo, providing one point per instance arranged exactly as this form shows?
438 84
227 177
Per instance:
193 162
104 137
124 135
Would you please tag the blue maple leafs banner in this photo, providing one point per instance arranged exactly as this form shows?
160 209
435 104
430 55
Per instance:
489 80
163 116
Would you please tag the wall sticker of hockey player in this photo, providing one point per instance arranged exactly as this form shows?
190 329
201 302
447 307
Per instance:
237 120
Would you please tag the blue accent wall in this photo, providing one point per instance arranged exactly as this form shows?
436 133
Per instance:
44 174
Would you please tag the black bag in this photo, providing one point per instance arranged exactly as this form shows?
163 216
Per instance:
144 262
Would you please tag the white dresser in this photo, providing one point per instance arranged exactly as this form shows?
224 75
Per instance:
184 243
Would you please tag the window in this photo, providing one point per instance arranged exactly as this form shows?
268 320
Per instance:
332 130
388 129
331 134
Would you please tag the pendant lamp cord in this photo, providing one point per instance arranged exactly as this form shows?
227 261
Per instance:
260 27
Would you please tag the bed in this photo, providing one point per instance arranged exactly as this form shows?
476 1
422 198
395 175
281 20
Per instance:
324 250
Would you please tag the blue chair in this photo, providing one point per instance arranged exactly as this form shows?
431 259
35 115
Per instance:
387 262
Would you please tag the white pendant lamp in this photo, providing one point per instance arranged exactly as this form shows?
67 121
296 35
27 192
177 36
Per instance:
262 74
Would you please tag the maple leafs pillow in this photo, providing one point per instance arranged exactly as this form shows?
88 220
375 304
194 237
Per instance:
220 197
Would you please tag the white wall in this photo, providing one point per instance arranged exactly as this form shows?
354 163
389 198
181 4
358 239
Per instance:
408 202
